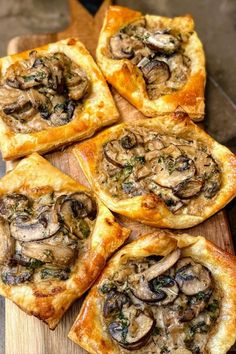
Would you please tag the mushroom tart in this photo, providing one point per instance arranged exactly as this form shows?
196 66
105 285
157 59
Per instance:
156 63
51 96
55 237
162 293
164 171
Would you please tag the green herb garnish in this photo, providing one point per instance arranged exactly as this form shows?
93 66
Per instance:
84 228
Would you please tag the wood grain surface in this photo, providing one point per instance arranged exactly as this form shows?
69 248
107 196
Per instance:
25 334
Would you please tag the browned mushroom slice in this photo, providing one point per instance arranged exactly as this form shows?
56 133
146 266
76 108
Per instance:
77 84
44 225
39 101
12 204
204 162
62 114
162 42
156 71
207 168
212 184
114 303
192 277
133 331
48 253
146 289
179 71
54 273
128 141
165 287
172 168
7 243
16 104
135 28
197 303
16 275
166 194
115 154
188 188
73 209
121 46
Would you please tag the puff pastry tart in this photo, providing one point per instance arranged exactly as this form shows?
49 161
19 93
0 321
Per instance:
163 171
50 96
156 63
55 237
162 293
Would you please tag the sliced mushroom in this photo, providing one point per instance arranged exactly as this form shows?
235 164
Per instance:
179 71
172 168
38 100
55 254
47 273
114 303
204 162
7 243
27 228
135 28
121 46
143 285
165 287
51 85
133 333
62 114
207 168
166 194
188 188
212 185
16 275
115 154
128 141
73 209
77 84
192 277
198 303
162 42
156 71
16 104
12 204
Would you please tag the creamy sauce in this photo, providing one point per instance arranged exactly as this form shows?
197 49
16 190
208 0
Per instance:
138 161
41 92
158 52
44 236
172 332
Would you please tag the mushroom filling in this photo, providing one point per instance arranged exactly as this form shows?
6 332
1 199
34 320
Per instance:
159 54
42 91
159 306
140 161
41 238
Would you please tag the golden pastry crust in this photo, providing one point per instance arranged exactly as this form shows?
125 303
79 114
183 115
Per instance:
128 80
149 208
98 109
88 330
48 300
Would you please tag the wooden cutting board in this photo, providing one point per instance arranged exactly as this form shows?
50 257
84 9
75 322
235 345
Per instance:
25 334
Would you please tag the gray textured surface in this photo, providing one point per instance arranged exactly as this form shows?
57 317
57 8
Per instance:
215 23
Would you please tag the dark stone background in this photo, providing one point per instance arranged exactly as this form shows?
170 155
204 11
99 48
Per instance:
216 26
